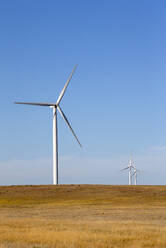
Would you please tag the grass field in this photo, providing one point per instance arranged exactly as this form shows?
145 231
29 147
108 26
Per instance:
82 216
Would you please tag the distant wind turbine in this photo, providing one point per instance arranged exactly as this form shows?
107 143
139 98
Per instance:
55 107
129 167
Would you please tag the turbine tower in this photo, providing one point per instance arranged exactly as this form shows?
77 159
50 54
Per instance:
56 108
130 167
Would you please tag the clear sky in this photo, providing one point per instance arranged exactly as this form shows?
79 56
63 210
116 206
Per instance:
115 102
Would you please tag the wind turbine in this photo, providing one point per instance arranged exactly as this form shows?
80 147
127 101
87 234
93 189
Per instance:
130 167
56 108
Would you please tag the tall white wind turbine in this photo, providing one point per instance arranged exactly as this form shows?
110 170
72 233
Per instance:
56 108
130 167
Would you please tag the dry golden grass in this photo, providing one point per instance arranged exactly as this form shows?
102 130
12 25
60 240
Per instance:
83 216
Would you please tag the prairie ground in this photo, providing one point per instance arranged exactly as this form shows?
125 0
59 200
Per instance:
82 216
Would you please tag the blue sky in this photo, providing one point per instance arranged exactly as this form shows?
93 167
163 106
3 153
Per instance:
116 99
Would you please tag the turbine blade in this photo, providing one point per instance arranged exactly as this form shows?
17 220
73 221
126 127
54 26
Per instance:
65 118
125 168
36 104
65 87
